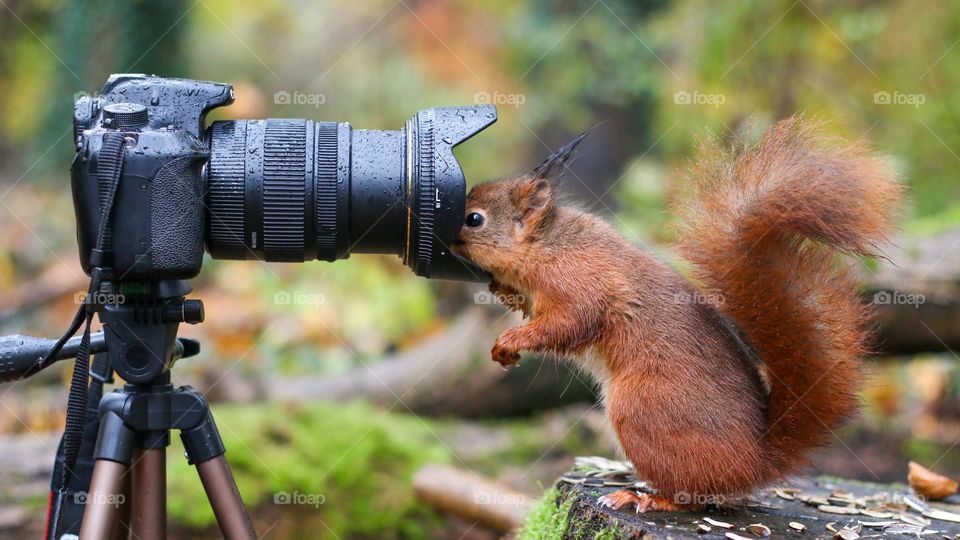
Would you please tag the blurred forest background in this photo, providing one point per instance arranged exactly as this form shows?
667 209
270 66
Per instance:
338 381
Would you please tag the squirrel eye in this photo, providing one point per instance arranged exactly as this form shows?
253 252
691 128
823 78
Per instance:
474 219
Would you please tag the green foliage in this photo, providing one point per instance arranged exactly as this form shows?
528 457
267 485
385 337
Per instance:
365 306
354 458
575 63
569 79
836 61
642 190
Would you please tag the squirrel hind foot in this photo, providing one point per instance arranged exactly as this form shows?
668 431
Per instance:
642 502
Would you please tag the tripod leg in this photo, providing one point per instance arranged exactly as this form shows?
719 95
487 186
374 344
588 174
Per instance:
225 499
101 513
205 449
149 485
121 530
114 450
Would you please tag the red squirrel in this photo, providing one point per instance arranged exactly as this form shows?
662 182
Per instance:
722 387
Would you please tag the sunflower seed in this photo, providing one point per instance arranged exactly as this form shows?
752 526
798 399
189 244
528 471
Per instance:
942 515
915 504
876 514
799 527
846 534
701 528
830 509
878 524
617 483
759 529
903 528
784 495
715 523
914 520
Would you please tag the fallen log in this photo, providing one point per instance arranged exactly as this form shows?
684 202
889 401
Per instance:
471 497
916 293
449 374
56 281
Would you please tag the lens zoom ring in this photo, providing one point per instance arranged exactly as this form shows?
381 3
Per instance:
284 189
226 188
325 178
426 194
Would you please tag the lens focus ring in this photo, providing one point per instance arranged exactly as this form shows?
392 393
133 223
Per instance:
327 190
225 184
284 189
424 195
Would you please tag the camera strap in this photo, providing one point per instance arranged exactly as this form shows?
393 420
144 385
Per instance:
68 481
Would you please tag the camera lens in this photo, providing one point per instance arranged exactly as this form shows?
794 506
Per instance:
295 190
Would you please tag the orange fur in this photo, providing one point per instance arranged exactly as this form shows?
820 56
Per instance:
681 388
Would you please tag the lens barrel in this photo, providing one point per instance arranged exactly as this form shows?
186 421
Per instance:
294 190
274 191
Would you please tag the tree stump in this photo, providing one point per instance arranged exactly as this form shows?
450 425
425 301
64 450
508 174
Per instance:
807 507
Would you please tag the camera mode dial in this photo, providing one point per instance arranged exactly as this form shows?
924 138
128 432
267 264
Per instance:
125 116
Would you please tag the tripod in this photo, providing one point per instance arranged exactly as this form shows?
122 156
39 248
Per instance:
135 423
128 482
134 434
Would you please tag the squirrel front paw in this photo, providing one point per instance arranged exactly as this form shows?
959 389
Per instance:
504 353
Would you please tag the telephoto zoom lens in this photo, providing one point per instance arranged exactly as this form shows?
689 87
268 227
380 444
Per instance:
294 190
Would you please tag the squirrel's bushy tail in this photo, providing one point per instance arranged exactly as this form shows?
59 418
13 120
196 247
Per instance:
763 230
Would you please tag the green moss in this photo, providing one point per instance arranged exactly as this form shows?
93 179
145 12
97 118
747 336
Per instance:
549 518
610 533
349 465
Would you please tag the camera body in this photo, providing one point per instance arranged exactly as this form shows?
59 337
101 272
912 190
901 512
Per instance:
158 218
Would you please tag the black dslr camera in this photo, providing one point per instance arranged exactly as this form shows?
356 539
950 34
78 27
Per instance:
277 189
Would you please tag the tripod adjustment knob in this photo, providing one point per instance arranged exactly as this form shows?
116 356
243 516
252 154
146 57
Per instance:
188 311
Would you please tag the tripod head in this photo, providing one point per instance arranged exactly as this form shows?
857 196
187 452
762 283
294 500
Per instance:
139 335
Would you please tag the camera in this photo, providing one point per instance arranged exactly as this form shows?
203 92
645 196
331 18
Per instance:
287 190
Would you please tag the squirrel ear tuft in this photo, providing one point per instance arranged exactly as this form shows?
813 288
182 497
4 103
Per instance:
534 200
554 166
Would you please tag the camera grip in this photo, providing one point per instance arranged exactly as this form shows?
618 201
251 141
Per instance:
177 218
